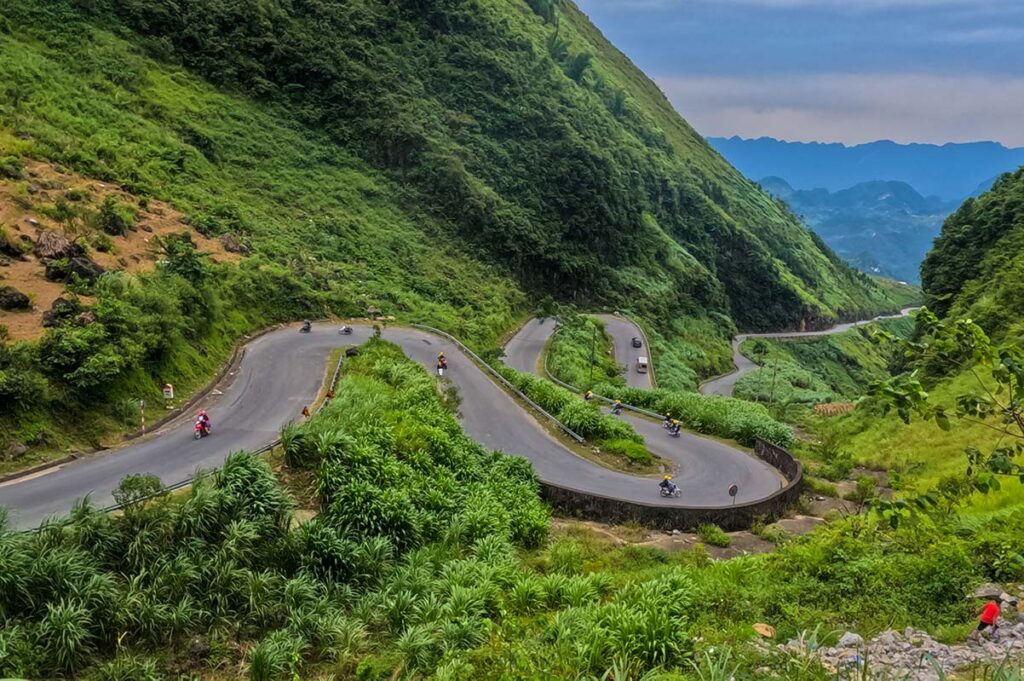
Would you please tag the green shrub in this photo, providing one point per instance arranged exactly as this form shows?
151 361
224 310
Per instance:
713 535
11 168
634 451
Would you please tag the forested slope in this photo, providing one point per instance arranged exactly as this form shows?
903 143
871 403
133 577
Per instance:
534 141
976 268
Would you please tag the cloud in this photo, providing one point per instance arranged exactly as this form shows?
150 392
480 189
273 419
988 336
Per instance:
853 108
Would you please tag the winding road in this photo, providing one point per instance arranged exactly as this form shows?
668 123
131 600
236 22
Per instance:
282 371
724 385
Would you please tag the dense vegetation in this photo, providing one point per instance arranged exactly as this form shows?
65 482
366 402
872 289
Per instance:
536 144
976 269
822 368
581 353
430 556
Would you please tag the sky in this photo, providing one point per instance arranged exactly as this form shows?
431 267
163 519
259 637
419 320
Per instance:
847 71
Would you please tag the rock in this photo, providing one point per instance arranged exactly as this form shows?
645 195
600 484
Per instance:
33 188
1007 598
41 438
145 228
32 221
232 244
52 246
15 451
766 630
24 136
61 310
63 269
86 318
850 640
13 299
988 591
198 648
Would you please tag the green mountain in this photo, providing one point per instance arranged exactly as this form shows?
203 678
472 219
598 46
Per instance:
454 162
976 269
533 141
881 227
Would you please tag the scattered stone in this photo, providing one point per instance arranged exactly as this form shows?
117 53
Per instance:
850 640
52 246
199 648
13 299
146 228
232 244
912 655
24 136
766 630
33 188
32 221
15 451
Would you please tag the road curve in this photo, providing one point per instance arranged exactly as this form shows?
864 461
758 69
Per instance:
724 385
703 468
282 371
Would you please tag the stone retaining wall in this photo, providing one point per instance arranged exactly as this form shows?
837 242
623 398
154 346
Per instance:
664 516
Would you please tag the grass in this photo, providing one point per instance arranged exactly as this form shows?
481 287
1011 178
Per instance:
430 556
578 341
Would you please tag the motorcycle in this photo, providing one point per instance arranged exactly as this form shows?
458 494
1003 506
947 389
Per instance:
673 432
345 331
307 326
442 366
674 492
201 430
617 409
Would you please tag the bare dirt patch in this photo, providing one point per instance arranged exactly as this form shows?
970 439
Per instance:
28 207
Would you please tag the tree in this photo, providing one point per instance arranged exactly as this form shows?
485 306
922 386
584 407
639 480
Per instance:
995 401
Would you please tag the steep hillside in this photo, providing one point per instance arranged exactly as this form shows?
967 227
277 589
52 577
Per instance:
976 269
881 227
451 162
537 144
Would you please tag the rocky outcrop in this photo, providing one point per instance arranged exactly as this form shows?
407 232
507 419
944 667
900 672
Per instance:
232 244
61 310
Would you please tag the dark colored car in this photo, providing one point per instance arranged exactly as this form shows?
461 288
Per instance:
637 343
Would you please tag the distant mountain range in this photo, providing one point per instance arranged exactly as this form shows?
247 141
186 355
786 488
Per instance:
949 171
881 227
879 205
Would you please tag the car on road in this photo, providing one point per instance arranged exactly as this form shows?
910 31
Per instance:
641 365
637 342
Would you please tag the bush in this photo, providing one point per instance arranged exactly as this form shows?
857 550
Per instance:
722 416
11 168
635 452
713 535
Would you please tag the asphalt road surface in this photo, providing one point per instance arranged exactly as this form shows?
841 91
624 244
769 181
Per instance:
703 468
623 331
724 385
283 371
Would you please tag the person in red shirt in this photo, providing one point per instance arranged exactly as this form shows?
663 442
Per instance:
989 617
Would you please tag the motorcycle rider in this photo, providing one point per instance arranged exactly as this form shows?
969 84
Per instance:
203 419
674 428
667 485
617 407
442 363
667 421
589 395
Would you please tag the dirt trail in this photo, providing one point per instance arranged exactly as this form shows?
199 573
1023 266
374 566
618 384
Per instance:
27 207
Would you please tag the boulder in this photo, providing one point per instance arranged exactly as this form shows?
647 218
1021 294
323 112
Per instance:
232 244
62 269
850 640
86 318
13 299
50 245
61 310
16 450
988 591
